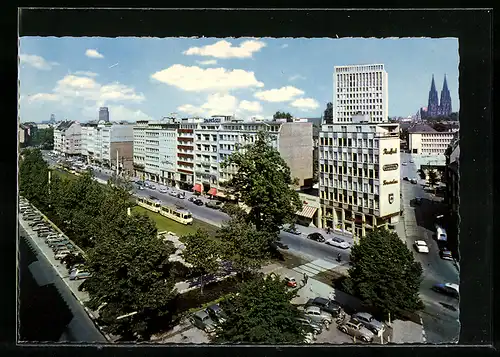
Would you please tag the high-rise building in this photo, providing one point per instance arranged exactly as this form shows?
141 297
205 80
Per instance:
359 154
52 119
433 103
445 102
360 89
104 114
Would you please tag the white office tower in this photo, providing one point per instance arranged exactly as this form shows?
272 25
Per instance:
359 158
360 89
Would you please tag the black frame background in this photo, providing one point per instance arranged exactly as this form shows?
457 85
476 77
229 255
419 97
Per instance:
472 27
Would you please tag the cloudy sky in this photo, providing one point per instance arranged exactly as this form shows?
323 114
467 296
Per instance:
141 78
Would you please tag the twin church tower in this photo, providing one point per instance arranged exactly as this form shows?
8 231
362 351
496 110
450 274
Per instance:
442 107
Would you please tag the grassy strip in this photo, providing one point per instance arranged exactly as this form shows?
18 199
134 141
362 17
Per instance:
166 224
63 174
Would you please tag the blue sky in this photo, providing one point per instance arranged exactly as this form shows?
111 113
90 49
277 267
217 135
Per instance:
141 78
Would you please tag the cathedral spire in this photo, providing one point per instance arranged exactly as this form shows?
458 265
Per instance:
433 103
445 84
433 84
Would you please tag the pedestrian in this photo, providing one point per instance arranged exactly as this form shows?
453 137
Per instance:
328 230
306 277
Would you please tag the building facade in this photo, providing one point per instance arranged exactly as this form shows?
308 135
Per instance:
425 140
68 138
104 114
360 89
359 175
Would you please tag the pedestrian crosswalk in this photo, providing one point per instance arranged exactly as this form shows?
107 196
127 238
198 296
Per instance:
315 267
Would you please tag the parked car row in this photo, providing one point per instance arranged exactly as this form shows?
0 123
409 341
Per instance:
208 319
61 246
335 241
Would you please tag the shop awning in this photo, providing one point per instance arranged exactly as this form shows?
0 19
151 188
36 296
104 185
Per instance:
212 191
307 211
197 187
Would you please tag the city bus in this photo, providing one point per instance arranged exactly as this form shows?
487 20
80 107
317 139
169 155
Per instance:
441 234
175 213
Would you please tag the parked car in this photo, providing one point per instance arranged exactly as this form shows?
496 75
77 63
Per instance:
421 246
216 313
139 187
290 282
198 202
203 321
404 163
411 161
214 204
338 242
413 181
329 306
445 253
76 267
40 226
58 245
163 190
314 313
447 289
292 229
79 274
318 237
406 178
151 187
309 337
45 234
369 322
61 254
314 327
192 198
356 328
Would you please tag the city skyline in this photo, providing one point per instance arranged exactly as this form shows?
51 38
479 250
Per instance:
148 78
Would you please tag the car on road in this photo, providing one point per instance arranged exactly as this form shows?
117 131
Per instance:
404 163
418 200
318 237
163 190
413 181
61 254
216 313
314 327
151 187
173 193
411 161
447 289
79 274
406 178
214 204
203 321
139 187
198 202
330 306
292 229
290 282
338 242
369 322
445 253
421 246
314 313
356 328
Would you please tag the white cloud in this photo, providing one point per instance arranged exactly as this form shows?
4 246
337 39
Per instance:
282 94
92 53
43 97
295 77
86 73
305 104
224 49
210 79
207 62
190 109
120 112
37 61
285 45
249 106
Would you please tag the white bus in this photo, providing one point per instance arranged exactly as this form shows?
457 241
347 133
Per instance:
441 234
175 213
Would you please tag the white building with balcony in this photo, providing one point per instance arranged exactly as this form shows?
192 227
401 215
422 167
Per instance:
67 138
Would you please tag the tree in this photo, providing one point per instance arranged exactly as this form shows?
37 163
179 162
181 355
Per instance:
244 246
203 253
328 113
432 179
128 276
384 273
261 314
263 183
282 115
33 177
44 138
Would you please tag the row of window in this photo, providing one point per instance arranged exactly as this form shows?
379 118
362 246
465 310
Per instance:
349 142
351 186
360 201
348 171
350 157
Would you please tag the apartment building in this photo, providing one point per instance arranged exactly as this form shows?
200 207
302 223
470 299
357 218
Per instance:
109 144
360 88
219 136
425 140
185 152
67 138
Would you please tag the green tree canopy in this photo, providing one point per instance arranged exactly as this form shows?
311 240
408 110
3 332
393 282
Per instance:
44 138
282 115
432 178
203 252
261 313
33 177
384 273
128 276
263 183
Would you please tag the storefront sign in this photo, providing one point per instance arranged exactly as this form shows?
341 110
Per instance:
385 182
390 167
212 120
390 151
391 198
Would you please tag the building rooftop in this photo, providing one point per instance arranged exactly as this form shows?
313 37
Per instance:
64 125
421 128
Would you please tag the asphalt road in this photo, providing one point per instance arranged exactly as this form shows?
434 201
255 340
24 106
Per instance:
441 314
77 326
